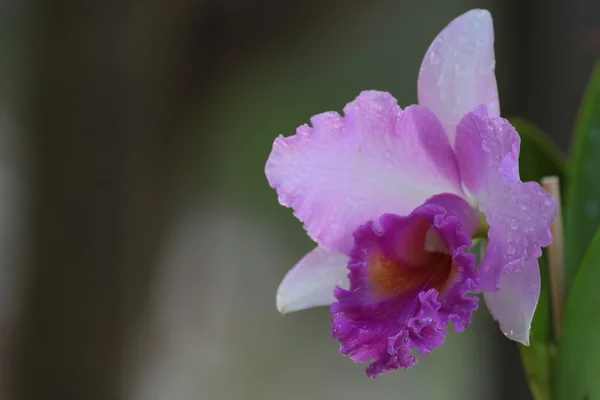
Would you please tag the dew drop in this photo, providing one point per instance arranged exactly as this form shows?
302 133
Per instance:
499 133
514 224
511 250
485 146
435 58
470 46
460 70
509 334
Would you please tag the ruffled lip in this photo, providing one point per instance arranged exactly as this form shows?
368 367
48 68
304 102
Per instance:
401 295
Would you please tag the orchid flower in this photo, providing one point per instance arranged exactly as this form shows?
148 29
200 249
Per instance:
394 198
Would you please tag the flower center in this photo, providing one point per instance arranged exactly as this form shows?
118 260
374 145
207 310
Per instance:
484 227
429 266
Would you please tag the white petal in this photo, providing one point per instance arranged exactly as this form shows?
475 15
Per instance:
457 73
514 304
310 283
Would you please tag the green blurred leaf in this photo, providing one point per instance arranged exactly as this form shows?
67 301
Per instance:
582 214
578 358
538 362
539 157
537 357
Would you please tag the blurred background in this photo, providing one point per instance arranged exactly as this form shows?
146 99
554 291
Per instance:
140 245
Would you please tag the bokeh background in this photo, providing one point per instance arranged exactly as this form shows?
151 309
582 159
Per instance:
140 245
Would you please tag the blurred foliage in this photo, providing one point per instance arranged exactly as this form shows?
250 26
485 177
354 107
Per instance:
582 214
578 359
539 156
578 368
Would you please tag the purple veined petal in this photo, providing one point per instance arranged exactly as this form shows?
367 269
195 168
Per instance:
311 282
457 72
347 170
514 304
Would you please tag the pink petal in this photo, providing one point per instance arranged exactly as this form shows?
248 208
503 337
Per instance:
514 304
345 171
457 73
312 281
519 214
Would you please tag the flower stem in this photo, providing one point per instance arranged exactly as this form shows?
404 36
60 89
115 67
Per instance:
556 258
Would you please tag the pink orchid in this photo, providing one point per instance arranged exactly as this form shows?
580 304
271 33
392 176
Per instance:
393 197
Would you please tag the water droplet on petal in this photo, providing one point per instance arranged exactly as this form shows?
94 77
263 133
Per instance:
435 58
511 250
514 224
509 334
485 146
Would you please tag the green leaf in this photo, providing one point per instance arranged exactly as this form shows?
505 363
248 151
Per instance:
539 157
578 359
582 214
537 357
538 362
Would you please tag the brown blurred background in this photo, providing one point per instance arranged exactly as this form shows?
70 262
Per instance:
140 244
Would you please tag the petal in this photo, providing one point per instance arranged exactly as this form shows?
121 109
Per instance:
519 214
514 304
487 148
393 306
347 170
458 208
312 280
457 73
